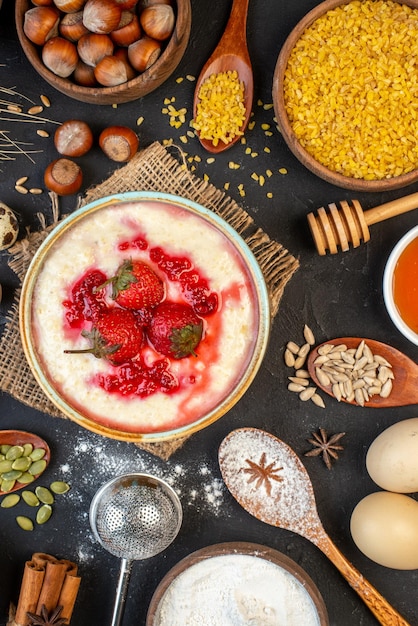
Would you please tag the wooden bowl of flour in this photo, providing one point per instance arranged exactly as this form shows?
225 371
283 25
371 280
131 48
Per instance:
239 579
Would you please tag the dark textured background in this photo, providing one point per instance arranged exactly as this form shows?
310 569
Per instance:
335 295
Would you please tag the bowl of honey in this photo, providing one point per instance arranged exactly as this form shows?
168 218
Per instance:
400 285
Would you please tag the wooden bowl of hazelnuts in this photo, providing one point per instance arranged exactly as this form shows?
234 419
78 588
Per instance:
104 51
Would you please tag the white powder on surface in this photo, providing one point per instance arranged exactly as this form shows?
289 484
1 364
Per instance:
236 590
195 483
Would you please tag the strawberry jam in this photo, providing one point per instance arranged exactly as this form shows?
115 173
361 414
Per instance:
86 302
195 289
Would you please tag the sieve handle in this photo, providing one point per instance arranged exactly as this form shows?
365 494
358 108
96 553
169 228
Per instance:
121 591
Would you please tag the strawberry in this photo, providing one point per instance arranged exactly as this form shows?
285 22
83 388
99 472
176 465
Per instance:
175 330
136 286
117 336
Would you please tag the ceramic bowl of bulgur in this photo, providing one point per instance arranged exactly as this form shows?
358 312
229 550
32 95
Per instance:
345 93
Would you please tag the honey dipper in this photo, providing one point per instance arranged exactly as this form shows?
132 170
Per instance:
349 224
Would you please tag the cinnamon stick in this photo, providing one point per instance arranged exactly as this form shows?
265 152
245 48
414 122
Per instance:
32 581
68 595
52 584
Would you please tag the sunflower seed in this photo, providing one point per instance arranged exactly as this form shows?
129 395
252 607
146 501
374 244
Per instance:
302 373
299 381
299 362
386 388
293 347
289 358
308 335
316 399
304 350
295 387
322 377
307 393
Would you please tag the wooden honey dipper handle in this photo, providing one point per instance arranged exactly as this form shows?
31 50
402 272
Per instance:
391 209
349 224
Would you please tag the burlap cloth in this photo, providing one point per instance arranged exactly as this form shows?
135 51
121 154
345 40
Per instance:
152 169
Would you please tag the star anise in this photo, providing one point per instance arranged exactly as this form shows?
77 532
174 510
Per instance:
262 474
47 620
325 445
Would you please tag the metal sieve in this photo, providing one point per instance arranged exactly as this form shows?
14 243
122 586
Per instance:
135 517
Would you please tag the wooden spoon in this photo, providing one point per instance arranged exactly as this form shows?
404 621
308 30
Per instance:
405 383
19 438
270 482
231 53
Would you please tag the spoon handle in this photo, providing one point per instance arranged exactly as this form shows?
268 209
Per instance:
235 32
378 605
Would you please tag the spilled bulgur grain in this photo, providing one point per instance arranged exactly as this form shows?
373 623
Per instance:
351 87
220 111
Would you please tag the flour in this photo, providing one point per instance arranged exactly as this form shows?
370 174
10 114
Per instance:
195 483
288 498
236 590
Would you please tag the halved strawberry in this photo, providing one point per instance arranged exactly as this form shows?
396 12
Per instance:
136 286
175 330
117 336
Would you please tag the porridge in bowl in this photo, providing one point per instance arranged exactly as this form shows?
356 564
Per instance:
198 279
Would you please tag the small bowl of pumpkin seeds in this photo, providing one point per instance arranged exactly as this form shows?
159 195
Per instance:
23 458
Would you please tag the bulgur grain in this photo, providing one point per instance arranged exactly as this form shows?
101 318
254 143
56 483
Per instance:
220 111
351 88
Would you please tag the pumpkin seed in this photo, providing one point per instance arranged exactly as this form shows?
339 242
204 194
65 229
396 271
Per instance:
44 495
27 449
30 498
5 466
4 448
37 467
12 475
59 486
44 514
22 464
10 500
24 522
15 452
7 485
37 454
26 478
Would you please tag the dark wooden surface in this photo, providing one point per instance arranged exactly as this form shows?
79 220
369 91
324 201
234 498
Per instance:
337 295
